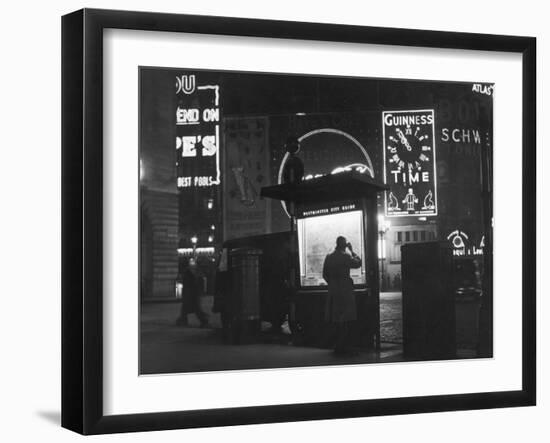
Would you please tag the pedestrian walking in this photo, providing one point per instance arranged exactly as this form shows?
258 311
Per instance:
193 289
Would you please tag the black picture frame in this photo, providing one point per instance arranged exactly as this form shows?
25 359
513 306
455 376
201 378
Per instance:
82 215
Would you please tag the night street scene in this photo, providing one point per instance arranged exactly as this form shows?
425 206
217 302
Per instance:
297 220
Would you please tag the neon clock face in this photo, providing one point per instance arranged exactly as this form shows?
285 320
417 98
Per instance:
410 147
409 162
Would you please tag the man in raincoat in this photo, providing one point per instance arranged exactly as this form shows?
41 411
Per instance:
341 307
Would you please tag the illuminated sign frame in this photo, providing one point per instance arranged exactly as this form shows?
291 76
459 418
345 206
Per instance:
193 117
463 246
405 164
362 167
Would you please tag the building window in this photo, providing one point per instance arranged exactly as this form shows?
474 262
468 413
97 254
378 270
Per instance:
399 236
407 236
415 235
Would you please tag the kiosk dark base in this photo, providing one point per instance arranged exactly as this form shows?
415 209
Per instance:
311 329
332 194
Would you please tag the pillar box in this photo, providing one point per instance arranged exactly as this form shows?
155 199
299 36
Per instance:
245 296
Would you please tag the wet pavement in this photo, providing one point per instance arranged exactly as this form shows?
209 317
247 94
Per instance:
168 348
391 325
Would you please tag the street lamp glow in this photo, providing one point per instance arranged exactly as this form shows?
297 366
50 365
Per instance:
194 239
383 224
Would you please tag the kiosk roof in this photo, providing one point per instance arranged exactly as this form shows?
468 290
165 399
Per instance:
333 187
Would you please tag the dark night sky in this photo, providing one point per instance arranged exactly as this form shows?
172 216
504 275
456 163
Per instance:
353 104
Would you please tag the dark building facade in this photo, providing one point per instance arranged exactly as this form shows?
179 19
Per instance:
219 137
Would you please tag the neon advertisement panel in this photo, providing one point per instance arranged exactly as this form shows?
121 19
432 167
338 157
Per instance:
410 163
197 133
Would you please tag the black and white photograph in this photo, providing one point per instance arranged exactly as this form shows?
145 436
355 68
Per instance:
270 222
290 220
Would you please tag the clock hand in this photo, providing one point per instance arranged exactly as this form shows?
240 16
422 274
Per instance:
404 139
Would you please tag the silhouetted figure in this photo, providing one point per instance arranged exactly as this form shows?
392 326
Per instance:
293 171
222 288
341 307
293 174
193 289
276 295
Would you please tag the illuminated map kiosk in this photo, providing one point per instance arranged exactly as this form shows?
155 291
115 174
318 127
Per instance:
342 204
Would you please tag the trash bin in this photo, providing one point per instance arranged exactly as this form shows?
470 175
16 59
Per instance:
467 288
429 331
245 294
467 322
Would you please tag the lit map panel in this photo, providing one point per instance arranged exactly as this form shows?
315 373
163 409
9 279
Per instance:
317 238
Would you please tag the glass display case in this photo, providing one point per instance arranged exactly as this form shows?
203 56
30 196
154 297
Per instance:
317 237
